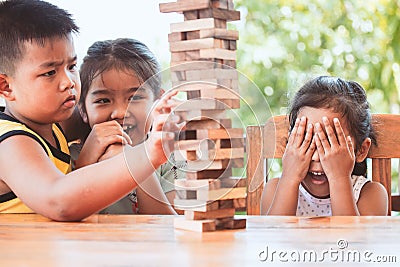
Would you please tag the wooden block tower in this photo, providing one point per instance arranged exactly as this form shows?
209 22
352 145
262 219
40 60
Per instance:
203 65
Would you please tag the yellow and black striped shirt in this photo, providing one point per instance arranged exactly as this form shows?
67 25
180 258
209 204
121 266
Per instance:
9 126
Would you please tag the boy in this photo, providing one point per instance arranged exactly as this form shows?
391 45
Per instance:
40 84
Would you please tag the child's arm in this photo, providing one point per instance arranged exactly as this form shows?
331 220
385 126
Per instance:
373 200
41 186
100 138
151 198
337 158
336 153
280 196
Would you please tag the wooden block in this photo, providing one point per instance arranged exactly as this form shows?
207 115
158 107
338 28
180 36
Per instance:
225 204
193 145
198 24
196 226
226 44
230 223
186 194
178 76
201 114
222 194
219 33
196 65
198 85
223 133
208 104
221 74
217 53
211 134
232 182
195 44
218 13
184 155
209 174
229 143
199 165
231 5
232 45
219 4
201 104
213 214
185 184
239 203
192 35
226 153
178 56
182 6
195 205
190 15
208 124
229 63
176 36
192 55
219 94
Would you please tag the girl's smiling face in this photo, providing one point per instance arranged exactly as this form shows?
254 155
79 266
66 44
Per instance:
117 95
316 181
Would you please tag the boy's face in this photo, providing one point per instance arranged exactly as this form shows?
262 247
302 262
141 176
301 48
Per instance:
117 95
45 86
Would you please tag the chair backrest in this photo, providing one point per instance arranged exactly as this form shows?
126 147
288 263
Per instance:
269 141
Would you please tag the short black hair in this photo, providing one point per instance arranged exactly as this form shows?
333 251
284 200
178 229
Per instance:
29 21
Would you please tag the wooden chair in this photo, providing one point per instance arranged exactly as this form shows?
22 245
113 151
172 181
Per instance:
269 141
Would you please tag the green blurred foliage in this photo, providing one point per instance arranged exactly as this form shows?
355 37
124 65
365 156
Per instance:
283 43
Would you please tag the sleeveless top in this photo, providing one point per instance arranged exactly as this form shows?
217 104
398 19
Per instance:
9 126
309 205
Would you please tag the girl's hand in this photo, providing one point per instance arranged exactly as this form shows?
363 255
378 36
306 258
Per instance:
336 152
161 139
298 153
100 138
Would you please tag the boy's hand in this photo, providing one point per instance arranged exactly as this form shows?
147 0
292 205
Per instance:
161 139
336 152
100 138
111 151
298 153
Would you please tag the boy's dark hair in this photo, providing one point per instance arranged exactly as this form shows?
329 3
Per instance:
29 21
123 54
344 97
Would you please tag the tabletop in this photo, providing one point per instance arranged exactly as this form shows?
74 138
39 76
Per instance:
152 240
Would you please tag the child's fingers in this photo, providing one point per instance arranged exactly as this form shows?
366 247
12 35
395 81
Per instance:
322 140
293 132
164 104
299 136
308 137
127 140
160 120
312 147
350 145
339 131
330 132
318 144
